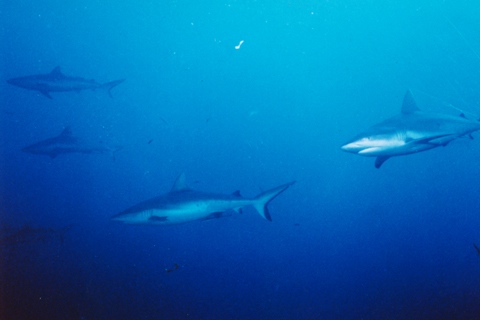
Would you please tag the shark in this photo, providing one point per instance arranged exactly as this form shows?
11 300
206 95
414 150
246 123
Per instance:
66 143
56 81
182 205
28 234
410 132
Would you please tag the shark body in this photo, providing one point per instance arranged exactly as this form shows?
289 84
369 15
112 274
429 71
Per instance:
183 204
65 143
410 132
56 81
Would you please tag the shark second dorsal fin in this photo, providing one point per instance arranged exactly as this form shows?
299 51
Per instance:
409 105
56 72
67 132
180 184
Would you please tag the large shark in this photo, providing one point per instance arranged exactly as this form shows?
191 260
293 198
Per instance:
65 143
409 132
183 204
56 81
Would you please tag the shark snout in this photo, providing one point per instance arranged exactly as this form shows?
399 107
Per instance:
15 82
353 147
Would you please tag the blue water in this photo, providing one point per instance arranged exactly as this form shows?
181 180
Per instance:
347 241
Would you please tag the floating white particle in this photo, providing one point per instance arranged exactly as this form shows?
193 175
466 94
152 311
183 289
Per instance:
239 45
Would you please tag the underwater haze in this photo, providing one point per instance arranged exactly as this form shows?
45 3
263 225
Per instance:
238 95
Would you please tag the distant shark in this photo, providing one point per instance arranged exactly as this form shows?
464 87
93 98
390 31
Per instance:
183 204
56 81
30 235
409 132
65 143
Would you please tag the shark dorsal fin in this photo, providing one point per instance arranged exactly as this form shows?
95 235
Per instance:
409 105
67 132
56 72
180 184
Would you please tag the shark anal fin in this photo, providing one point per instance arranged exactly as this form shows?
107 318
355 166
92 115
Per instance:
46 94
380 160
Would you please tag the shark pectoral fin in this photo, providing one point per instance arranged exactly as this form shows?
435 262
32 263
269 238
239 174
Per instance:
157 218
46 94
215 215
380 160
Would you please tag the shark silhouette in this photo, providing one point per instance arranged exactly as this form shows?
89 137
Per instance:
28 234
56 81
66 143
183 204
409 132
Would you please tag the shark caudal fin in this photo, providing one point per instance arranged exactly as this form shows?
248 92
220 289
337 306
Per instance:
261 201
110 85
113 151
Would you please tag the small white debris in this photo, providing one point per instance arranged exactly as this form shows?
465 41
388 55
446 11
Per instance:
239 45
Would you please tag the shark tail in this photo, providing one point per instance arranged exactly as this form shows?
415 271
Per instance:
113 151
110 85
261 201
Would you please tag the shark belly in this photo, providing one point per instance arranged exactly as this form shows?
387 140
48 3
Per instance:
177 216
180 213
196 210
396 150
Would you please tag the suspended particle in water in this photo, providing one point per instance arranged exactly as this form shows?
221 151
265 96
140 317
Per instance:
239 45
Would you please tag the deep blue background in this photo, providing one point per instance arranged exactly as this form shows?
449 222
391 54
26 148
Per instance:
346 242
